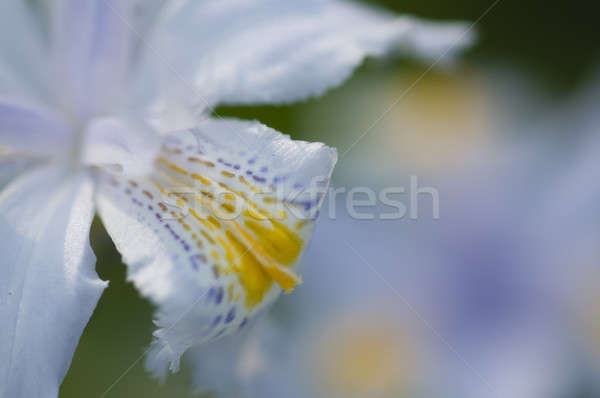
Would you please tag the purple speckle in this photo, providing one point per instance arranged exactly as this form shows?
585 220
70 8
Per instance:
264 169
196 259
230 315
219 297
279 179
221 332
210 294
136 202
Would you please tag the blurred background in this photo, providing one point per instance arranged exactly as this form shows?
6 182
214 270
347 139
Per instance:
495 298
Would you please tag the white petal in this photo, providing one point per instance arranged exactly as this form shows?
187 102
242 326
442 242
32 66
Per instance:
215 234
144 19
124 146
271 51
92 50
31 129
48 288
23 58
12 165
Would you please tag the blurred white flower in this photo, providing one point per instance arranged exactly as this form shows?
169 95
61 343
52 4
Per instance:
575 208
109 103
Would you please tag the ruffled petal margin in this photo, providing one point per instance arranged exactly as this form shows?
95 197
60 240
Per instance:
214 235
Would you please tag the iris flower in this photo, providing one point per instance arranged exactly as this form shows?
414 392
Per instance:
107 106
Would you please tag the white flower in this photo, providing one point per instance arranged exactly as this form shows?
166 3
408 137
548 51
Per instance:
107 102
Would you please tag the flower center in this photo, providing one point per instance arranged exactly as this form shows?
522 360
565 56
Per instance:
249 239
362 360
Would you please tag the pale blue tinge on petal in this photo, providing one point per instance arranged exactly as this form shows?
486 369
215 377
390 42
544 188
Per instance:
12 165
120 145
92 54
29 128
23 55
49 287
268 51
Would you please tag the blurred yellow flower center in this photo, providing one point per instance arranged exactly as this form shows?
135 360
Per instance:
442 117
362 361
